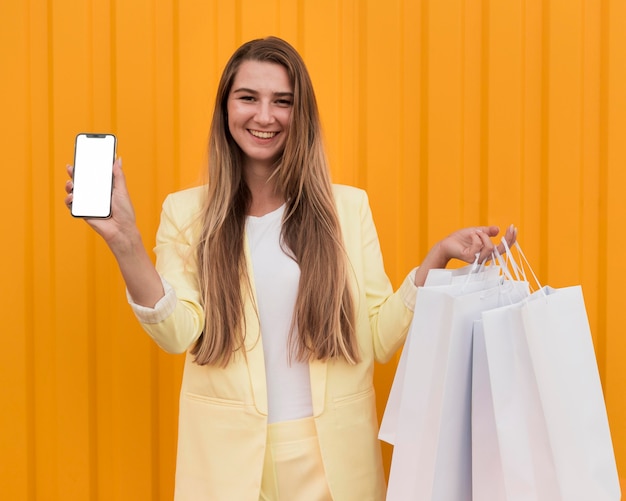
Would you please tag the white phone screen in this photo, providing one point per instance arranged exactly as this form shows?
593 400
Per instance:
94 155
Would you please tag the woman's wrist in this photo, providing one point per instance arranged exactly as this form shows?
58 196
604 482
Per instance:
126 244
436 258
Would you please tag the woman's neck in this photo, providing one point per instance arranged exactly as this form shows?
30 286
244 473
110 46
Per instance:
265 195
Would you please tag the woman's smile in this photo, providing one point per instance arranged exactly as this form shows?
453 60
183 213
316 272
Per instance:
263 134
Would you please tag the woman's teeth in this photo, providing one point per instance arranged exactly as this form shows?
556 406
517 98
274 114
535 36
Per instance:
262 135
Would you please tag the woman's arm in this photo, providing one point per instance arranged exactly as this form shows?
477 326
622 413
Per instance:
121 234
391 312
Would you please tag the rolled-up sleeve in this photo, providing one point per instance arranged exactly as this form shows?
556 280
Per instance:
177 320
161 310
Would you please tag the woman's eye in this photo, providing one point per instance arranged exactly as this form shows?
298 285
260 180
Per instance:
246 98
284 102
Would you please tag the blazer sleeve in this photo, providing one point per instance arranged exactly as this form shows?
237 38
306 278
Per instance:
176 262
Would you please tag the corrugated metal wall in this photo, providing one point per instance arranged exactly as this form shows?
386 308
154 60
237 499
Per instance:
449 113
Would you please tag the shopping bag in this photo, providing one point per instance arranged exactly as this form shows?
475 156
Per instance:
511 456
561 349
539 425
487 478
389 422
459 277
431 459
473 272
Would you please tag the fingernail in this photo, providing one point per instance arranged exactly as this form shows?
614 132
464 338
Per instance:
120 162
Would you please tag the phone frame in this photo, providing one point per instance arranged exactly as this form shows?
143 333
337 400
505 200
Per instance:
78 176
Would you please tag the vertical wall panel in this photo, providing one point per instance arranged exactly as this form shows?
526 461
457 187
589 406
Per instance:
16 425
445 87
382 102
614 216
502 91
564 140
590 250
531 139
323 55
449 112
411 146
201 34
44 366
474 66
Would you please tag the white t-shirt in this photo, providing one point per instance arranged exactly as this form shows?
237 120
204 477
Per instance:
276 278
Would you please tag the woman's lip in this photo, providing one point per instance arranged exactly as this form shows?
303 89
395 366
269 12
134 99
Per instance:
263 134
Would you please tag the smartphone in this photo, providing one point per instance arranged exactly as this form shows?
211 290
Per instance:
94 155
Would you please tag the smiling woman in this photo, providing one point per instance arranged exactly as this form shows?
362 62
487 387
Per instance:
271 279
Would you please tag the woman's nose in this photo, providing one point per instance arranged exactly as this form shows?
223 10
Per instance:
264 113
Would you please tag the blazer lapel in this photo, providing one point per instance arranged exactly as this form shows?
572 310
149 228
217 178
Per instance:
253 342
317 372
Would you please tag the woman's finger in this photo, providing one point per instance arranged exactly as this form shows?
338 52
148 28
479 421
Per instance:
486 248
68 200
510 236
490 231
69 187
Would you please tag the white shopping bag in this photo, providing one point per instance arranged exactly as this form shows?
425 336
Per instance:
472 272
487 480
436 277
563 359
539 425
511 455
432 442
389 422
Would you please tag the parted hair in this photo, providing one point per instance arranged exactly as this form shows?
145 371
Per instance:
323 323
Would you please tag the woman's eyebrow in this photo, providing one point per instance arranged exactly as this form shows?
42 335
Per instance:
252 91
245 89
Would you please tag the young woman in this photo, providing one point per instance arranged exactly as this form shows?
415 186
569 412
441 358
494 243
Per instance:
272 280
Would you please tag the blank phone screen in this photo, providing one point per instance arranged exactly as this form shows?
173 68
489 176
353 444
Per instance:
94 155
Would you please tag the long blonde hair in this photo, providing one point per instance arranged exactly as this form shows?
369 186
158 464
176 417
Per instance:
324 314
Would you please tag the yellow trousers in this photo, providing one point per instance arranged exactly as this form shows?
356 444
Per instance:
293 468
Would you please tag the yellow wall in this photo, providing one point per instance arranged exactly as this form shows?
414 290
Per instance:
449 112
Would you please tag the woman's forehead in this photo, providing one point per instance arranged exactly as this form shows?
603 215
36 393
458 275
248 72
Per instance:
262 75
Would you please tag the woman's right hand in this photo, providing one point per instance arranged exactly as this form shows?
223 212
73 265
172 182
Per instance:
121 234
120 228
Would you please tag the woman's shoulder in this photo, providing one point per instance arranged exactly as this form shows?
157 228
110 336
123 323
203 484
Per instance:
190 199
184 208
189 195
345 194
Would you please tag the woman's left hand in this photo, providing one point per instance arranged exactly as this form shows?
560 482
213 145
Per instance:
467 245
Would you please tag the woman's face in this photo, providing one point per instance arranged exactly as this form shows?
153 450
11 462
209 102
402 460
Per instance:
259 110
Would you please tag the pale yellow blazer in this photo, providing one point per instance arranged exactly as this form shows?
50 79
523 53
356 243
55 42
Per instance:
223 412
